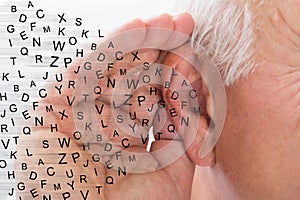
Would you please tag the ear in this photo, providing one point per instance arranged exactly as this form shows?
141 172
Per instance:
189 98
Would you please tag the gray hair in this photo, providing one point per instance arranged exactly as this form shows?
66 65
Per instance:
225 29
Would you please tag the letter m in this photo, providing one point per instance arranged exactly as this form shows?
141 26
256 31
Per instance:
57 187
46 29
49 109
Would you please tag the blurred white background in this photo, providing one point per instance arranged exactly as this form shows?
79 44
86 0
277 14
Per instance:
108 13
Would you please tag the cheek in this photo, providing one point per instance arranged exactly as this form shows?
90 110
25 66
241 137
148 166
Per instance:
290 10
288 100
258 151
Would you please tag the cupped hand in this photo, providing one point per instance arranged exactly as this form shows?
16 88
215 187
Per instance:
95 142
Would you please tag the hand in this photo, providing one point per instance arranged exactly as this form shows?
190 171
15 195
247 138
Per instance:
93 169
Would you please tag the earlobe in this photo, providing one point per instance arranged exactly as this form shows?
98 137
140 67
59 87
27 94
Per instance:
196 144
193 139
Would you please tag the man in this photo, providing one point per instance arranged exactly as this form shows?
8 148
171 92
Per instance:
257 155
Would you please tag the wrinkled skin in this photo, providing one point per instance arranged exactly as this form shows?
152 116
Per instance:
257 156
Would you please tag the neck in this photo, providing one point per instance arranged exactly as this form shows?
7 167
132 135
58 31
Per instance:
210 184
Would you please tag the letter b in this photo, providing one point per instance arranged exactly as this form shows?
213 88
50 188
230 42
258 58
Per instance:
13 8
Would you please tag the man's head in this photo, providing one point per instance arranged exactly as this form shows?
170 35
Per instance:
256 46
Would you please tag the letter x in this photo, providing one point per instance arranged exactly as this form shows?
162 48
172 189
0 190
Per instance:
63 114
62 18
135 56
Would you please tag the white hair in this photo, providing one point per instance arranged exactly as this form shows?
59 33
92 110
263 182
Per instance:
225 29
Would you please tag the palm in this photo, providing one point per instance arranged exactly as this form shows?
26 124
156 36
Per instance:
165 172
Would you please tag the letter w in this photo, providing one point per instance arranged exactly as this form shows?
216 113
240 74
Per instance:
63 142
59 44
132 82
